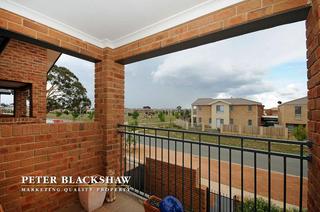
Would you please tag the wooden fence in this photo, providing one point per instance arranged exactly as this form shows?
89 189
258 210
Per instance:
273 132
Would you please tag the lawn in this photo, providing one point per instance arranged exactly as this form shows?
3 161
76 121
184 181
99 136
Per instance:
153 121
235 142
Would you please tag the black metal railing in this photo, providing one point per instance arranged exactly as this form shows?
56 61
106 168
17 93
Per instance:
225 165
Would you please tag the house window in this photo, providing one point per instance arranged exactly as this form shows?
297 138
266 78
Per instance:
200 120
249 122
231 107
210 120
219 122
297 112
231 121
219 108
194 120
249 107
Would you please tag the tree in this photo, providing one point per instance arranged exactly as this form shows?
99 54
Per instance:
161 116
65 92
135 116
177 115
186 114
300 133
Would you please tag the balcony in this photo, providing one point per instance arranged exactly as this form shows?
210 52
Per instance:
215 172
211 172
124 202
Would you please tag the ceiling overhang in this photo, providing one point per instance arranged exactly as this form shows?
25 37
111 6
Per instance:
169 22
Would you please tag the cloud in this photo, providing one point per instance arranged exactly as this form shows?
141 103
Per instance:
237 66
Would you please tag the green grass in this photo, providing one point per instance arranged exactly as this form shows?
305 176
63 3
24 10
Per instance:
235 142
152 121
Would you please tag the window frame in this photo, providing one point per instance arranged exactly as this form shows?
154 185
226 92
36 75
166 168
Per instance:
220 106
297 115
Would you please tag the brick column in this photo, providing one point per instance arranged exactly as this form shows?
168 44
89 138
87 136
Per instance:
109 106
313 63
20 104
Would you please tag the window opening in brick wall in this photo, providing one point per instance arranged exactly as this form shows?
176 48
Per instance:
15 99
70 90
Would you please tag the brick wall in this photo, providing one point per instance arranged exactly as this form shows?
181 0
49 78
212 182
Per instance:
155 182
109 86
20 102
237 14
313 64
46 149
109 106
32 29
27 63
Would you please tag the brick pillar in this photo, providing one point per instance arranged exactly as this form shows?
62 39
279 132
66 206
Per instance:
20 102
109 106
313 63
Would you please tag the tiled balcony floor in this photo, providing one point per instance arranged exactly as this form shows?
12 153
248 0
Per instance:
124 202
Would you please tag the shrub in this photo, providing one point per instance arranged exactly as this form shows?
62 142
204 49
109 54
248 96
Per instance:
91 115
135 115
133 122
58 113
162 117
300 133
75 115
262 205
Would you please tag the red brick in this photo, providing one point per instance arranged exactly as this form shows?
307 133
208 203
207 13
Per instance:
33 25
6 131
248 6
10 17
48 39
288 5
263 12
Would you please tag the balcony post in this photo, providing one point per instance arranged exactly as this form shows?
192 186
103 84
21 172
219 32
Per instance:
313 62
109 107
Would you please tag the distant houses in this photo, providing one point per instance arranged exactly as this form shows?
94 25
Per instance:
293 113
214 113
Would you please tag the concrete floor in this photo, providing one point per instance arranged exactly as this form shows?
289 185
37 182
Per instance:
124 202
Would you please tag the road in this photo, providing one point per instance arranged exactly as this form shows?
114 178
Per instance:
293 165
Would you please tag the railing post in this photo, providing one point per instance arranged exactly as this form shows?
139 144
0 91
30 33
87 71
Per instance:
208 199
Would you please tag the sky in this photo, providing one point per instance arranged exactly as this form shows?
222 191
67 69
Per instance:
266 66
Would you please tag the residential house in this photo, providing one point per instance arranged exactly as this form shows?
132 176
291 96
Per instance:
233 111
271 111
294 113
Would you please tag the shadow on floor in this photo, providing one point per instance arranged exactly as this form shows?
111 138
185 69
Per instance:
124 202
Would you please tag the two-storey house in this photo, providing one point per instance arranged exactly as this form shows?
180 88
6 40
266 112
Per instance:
232 111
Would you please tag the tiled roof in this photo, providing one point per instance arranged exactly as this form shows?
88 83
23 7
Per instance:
300 101
232 101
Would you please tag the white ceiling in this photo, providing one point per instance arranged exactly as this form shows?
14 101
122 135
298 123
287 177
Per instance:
113 23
